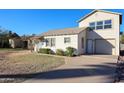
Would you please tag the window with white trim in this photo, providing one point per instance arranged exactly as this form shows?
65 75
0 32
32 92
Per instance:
99 25
50 42
107 24
67 40
92 25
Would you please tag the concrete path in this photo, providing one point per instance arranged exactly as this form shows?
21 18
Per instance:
82 69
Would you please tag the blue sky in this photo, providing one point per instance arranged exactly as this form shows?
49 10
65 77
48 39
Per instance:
38 21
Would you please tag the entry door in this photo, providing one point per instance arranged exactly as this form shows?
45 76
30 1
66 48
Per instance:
89 46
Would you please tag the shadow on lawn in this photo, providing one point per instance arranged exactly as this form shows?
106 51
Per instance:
92 70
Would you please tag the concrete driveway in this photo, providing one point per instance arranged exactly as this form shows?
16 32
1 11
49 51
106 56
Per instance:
82 69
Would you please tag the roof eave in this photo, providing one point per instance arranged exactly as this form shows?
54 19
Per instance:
60 34
96 11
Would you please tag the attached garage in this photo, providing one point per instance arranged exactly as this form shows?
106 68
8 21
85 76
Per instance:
105 46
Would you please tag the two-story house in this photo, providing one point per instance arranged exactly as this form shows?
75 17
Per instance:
101 38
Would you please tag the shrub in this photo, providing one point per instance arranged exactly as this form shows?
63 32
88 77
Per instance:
69 51
60 52
45 51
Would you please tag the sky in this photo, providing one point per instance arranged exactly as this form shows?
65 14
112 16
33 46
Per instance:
37 21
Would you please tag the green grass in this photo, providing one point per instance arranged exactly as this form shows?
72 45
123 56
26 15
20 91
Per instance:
28 64
11 49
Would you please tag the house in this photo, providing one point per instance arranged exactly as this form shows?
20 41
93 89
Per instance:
15 42
60 39
28 42
33 42
97 33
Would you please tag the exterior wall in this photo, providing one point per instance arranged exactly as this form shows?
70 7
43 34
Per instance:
11 42
15 43
31 43
80 36
59 42
112 33
39 45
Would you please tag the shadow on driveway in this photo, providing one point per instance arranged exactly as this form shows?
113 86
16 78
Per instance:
91 70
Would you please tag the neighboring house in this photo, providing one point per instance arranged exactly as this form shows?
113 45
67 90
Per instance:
101 38
121 41
24 42
15 42
33 42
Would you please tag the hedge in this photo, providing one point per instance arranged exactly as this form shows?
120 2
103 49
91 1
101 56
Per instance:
45 51
60 52
69 51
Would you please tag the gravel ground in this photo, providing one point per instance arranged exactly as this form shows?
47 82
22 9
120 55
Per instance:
19 66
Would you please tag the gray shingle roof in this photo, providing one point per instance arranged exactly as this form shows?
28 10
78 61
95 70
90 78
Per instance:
66 31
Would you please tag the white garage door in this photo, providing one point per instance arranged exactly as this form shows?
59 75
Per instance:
105 46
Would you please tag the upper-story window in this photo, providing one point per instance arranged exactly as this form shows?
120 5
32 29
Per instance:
99 25
107 24
67 40
92 25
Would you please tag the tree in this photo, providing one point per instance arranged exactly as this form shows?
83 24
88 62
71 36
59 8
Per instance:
122 39
33 35
5 35
15 35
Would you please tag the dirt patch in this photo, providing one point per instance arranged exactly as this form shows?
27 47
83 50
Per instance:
22 65
18 53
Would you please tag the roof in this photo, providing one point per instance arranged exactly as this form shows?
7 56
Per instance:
35 37
15 38
98 11
66 31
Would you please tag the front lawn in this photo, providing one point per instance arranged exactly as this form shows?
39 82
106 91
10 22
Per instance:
19 68
11 49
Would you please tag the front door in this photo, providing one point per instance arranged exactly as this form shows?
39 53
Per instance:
89 46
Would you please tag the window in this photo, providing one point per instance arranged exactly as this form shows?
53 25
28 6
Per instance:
99 25
82 42
67 40
107 21
107 24
92 25
47 41
52 41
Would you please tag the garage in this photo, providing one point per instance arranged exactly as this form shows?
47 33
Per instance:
105 46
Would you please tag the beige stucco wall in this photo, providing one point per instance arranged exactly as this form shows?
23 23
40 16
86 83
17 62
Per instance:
59 42
112 33
80 36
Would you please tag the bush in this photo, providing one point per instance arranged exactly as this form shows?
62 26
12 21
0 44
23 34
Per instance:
45 51
69 51
122 39
60 52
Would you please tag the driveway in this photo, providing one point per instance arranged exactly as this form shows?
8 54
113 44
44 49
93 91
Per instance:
82 69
